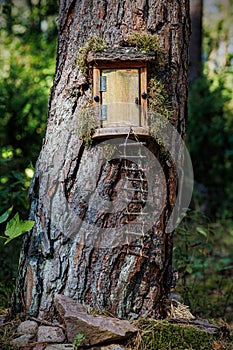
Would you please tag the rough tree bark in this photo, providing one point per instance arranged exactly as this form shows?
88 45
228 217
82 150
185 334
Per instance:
56 257
195 49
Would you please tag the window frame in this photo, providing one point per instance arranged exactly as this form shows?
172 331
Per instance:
142 69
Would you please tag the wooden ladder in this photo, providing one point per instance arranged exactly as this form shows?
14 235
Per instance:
136 190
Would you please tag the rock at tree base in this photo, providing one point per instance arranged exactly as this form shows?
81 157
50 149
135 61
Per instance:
41 346
70 347
27 327
47 334
23 340
96 329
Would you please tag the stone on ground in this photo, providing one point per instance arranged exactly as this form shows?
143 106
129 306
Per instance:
48 334
27 327
96 329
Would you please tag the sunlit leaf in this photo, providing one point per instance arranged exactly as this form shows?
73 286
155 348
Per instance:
189 269
16 227
202 231
5 215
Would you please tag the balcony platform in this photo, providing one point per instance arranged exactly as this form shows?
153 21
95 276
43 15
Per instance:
121 131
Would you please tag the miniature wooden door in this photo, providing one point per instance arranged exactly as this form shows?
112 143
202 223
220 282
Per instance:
120 97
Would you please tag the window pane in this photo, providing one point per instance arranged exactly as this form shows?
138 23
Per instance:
121 97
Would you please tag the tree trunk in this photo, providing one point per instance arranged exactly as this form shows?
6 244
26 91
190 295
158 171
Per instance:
71 250
195 50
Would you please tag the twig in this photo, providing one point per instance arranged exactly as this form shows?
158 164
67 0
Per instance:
47 322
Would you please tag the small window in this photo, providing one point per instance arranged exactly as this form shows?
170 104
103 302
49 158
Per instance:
120 92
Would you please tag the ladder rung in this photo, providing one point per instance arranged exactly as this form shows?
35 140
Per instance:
132 144
131 252
136 190
130 200
135 223
134 233
135 245
133 179
131 213
132 169
128 156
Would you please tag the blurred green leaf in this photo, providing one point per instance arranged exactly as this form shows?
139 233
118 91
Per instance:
189 269
5 215
16 227
201 230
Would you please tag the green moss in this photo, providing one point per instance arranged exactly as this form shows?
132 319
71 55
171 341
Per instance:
87 123
144 42
94 43
163 335
159 106
157 98
159 110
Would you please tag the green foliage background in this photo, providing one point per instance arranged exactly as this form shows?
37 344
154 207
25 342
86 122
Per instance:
28 38
203 243
210 141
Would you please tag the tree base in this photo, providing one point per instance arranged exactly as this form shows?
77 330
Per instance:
150 334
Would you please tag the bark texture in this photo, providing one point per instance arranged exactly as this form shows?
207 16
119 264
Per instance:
57 256
195 50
